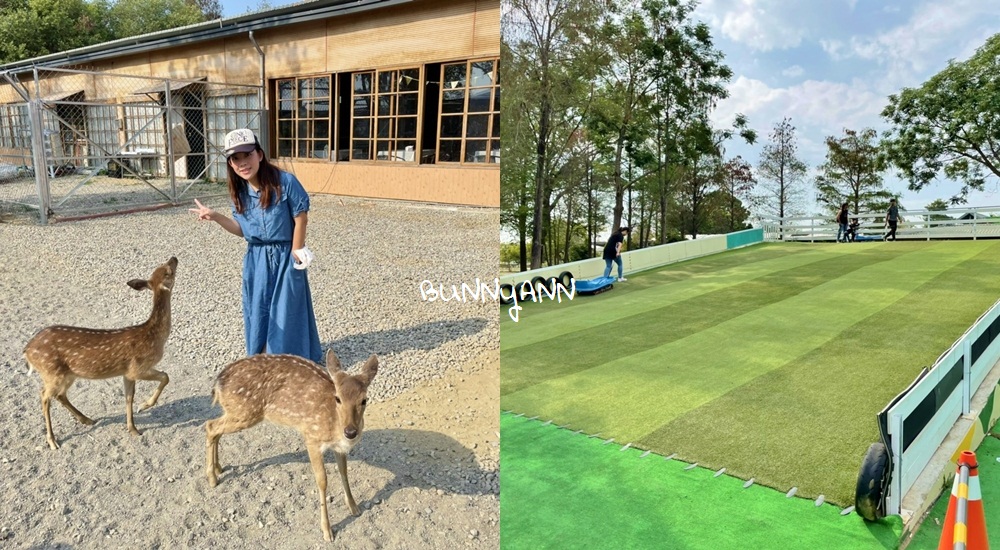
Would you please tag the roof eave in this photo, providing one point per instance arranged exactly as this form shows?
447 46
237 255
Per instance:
209 30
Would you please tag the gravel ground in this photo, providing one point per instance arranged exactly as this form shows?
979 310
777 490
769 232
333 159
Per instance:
425 473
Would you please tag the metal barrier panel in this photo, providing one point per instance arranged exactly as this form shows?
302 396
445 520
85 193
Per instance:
632 260
921 419
112 142
744 238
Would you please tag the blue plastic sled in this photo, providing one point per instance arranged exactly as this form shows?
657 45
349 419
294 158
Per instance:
863 238
595 285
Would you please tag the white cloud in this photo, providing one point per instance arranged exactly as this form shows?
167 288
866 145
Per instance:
935 32
826 107
793 71
763 25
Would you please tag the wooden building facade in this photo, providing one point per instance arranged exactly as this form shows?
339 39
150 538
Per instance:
394 99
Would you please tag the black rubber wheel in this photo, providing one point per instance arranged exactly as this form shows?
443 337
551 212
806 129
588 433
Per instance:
873 480
566 279
506 294
545 283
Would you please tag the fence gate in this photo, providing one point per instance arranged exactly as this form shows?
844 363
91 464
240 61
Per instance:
76 142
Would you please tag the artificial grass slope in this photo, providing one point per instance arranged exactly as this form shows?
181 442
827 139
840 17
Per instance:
566 490
738 378
644 318
829 419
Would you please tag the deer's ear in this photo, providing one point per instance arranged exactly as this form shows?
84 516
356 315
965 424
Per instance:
369 370
332 362
138 284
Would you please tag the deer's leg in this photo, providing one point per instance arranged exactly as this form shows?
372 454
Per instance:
129 396
154 374
214 430
46 401
342 467
319 469
212 436
82 418
59 392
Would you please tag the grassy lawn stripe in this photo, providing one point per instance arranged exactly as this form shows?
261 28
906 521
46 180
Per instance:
630 397
827 412
652 290
601 343
564 490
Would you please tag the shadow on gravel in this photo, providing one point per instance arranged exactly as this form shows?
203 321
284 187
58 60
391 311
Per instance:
431 460
185 412
428 336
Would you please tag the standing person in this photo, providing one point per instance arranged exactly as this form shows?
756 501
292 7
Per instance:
269 208
613 252
842 221
891 219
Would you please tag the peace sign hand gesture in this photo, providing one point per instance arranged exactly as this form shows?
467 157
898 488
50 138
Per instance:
204 212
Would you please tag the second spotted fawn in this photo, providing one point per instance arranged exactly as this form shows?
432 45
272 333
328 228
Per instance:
327 409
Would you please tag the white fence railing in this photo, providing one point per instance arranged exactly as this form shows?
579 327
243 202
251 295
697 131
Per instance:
918 422
960 223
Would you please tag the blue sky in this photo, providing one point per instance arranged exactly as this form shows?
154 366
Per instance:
232 8
831 64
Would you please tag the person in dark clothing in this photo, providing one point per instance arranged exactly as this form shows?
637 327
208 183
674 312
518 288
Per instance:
613 252
891 220
842 222
852 230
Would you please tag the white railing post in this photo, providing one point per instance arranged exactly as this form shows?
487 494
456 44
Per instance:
896 487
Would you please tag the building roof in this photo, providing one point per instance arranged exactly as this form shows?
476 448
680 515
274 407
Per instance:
301 12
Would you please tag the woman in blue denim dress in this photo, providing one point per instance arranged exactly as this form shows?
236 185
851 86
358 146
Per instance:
269 209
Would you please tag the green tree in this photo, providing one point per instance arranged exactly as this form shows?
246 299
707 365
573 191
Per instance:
852 173
938 205
31 28
620 118
950 125
135 17
550 67
735 191
782 172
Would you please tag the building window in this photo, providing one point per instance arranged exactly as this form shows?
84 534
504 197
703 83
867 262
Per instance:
385 107
469 124
15 128
102 131
304 117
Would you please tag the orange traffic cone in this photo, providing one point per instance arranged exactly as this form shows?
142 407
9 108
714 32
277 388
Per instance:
965 526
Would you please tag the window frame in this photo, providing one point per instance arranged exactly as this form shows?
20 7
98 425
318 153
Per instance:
492 132
394 117
296 120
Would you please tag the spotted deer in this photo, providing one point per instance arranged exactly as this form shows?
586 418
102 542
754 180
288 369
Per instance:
61 354
328 409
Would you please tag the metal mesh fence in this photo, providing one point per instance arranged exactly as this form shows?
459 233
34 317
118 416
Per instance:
75 142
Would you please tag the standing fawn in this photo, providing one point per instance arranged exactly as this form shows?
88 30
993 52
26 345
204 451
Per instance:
61 354
329 411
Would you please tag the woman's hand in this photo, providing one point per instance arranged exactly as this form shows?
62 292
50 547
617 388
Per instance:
204 212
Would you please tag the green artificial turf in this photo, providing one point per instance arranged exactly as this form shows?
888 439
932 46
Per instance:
771 361
929 533
561 489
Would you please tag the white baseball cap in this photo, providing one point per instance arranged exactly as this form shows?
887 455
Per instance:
240 141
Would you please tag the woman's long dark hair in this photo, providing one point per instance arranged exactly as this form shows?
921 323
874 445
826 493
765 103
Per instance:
268 176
